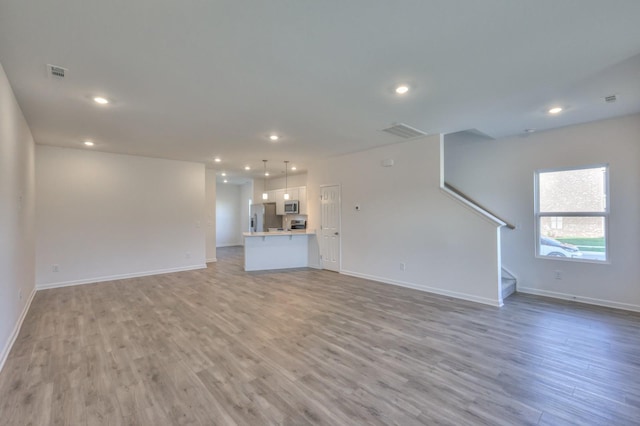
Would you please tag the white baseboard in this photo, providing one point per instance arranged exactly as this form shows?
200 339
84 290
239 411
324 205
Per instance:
213 259
16 330
581 299
427 289
118 277
229 245
315 266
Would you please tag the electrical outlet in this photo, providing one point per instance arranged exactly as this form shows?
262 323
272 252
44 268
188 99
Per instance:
403 266
558 275
55 268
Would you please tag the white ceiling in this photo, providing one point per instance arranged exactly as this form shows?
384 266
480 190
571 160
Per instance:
197 79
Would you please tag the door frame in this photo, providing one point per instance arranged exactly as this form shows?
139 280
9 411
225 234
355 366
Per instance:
339 224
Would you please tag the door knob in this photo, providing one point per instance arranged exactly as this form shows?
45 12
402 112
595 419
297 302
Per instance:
336 233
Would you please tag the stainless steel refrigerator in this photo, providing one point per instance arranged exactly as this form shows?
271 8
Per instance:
263 217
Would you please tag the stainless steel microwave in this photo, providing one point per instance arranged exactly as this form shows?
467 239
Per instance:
291 207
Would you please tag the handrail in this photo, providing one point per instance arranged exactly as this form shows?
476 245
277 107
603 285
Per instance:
474 202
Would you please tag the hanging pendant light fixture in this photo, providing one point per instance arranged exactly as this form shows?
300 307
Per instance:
286 187
265 196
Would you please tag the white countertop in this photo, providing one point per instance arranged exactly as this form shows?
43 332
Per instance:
278 233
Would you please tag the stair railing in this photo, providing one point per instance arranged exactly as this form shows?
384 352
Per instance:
480 206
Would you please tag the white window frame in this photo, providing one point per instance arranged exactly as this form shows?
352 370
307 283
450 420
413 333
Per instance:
604 215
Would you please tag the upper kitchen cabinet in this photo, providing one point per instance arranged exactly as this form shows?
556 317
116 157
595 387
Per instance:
293 193
298 193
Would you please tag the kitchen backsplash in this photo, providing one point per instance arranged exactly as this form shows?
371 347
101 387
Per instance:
287 218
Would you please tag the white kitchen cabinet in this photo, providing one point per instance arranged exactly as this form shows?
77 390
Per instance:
297 193
302 198
293 193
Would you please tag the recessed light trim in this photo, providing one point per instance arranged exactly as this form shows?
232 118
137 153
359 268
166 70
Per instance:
266 173
217 159
529 130
247 168
294 168
402 89
223 174
555 110
100 100
88 143
225 181
274 137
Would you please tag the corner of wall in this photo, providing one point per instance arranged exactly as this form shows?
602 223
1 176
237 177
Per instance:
17 217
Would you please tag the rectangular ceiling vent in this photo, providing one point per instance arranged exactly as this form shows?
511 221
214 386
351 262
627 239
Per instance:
610 98
404 131
56 71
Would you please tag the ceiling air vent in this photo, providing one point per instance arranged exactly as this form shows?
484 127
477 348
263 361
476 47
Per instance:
56 71
404 131
610 98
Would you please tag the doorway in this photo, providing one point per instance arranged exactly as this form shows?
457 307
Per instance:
330 227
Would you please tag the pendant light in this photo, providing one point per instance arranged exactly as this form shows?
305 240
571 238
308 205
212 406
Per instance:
286 171
265 196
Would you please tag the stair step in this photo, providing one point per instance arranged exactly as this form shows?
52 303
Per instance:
508 287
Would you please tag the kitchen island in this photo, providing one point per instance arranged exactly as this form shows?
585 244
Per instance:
276 250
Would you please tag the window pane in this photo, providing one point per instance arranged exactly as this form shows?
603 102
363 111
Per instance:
573 237
581 190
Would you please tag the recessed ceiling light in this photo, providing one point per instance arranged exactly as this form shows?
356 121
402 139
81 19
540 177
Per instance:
217 159
402 89
101 100
88 143
555 110
247 168
266 173
529 130
224 174
225 181
294 168
274 137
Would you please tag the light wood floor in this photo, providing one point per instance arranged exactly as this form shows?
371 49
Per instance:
224 347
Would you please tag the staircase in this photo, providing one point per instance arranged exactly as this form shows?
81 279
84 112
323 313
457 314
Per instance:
509 282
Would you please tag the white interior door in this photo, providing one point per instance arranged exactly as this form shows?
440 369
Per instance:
330 227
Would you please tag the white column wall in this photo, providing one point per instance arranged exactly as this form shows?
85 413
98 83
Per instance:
228 215
210 214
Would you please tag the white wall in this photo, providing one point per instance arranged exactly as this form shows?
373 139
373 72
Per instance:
210 214
275 183
228 215
405 217
258 189
103 216
292 181
246 198
17 243
499 174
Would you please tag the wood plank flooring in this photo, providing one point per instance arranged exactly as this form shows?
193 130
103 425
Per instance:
305 347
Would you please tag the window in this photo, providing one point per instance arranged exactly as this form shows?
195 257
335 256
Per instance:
572 212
